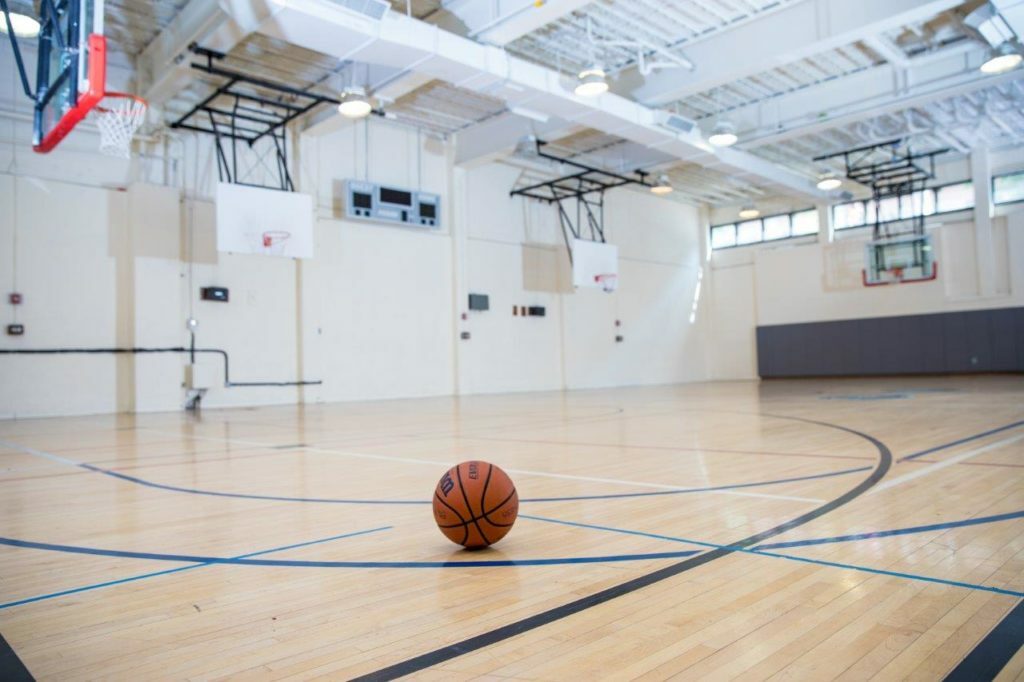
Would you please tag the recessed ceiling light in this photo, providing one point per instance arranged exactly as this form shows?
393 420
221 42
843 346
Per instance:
592 81
1004 58
724 135
24 26
749 212
662 187
355 103
828 182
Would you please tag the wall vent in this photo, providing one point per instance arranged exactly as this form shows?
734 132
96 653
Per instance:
675 122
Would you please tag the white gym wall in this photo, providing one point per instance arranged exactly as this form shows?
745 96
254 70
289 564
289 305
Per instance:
374 314
787 282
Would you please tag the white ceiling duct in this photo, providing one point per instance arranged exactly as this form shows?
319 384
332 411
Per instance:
1013 12
407 44
375 9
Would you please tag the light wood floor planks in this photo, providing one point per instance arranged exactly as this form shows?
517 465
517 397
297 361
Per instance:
297 542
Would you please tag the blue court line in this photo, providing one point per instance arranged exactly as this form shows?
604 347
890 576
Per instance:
244 561
757 551
329 500
154 574
898 531
829 474
968 439
610 496
246 496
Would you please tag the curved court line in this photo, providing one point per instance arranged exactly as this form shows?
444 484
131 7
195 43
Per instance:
611 496
329 500
245 559
241 561
513 629
244 496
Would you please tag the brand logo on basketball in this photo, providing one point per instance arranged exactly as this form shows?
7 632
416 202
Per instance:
474 469
447 484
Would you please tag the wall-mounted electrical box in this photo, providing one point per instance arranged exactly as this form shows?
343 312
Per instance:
15 329
479 302
370 201
219 294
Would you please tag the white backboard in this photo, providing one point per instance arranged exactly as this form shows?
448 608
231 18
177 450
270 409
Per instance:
592 259
268 222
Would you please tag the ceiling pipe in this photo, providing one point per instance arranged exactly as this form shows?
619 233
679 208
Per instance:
643 49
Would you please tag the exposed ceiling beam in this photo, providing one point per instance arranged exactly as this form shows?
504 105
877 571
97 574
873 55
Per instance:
163 67
876 97
795 32
403 43
499 22
887 50
1013 12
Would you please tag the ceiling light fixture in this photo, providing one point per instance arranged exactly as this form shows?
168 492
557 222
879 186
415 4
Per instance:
828 182
662 187
1002 59
749 212
592 81
354 103
24 26
724 135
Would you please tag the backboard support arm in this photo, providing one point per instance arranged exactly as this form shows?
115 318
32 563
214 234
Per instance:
17 51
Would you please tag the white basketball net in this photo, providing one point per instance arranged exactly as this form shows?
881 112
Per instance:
118 120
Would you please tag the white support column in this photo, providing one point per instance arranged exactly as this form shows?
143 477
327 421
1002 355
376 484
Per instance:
456 211
825 231
981 176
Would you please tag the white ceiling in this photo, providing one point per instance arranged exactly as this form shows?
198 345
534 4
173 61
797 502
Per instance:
653 23
915 79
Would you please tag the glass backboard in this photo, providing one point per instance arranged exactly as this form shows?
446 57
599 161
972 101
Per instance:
71 71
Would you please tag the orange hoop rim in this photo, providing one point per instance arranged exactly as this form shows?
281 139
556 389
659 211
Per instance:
121 95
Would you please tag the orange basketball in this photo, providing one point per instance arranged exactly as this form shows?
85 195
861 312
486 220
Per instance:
475 504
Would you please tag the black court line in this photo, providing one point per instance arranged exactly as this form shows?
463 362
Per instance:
438 656
993 653
11 667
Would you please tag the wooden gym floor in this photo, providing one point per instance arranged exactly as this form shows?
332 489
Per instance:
802 530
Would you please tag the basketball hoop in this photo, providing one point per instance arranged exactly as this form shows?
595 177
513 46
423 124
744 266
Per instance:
273 241
607 282
118 117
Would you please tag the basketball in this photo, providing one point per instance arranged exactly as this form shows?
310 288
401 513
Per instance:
475 504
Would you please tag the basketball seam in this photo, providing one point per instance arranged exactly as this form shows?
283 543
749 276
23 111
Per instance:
485 514
503 503
465 496
465 524
483 493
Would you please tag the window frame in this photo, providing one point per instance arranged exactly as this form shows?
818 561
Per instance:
935 203
1005 175
865 202
760 219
